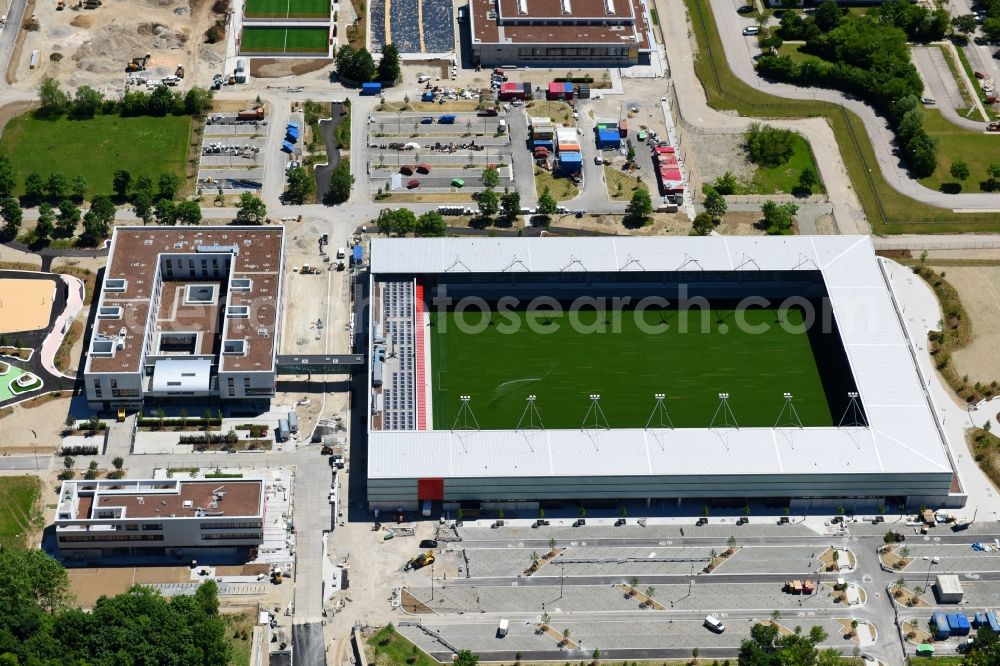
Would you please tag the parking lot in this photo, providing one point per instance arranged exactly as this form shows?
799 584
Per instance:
232 154
437 152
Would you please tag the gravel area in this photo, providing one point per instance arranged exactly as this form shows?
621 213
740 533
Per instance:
715 154
979 289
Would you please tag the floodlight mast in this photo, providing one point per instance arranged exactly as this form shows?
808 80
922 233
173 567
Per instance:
853 416
466 416
534 419
600 422
728 417
789 407
659 414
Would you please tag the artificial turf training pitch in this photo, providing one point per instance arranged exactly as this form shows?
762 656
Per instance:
285 40
287 8
563 368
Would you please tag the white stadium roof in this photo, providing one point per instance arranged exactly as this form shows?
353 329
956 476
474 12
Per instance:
903 437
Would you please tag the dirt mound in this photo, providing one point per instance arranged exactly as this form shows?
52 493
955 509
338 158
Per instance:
116 42
82 22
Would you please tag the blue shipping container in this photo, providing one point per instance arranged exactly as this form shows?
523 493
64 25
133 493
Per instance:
991 617
941 622
979 620
571 157
371 88
358 254
608 139
447 119
543 144
959 624
428 96
286 147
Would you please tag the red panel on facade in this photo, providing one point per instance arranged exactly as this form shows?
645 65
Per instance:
430 489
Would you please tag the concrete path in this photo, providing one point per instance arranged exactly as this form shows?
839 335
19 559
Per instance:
740 53
74 303
942 86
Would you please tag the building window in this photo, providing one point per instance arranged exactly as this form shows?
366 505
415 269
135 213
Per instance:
148 527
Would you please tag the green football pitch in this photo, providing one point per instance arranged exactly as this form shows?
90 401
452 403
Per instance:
285 40
562 368
287 8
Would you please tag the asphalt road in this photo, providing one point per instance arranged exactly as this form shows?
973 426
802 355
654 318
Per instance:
8 37
308 645
26 463
942 86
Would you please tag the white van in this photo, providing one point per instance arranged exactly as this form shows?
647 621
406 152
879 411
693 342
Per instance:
751 30
502 629
714 624
341 252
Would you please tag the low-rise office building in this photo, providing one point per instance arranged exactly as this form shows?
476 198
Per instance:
187 313
164 517
582 33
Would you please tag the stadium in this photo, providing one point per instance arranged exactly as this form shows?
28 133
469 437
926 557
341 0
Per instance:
540 372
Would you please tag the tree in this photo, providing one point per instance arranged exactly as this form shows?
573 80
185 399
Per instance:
985 649
630 154
341 182
68 219
166 212
118 462
161 101
169 183
104 208
964 24
188 212
300 185
731 542
726 183
94 228
510 205
46 222
703 224
595 656
808 179
767 646
388 68
959 170
144 184
545 620
198 101
465 658
58 185
431 223
694 655
54 100
546 203
650 592
68 462
142 204
354 65
769 146
250 210
715 205
489 203
491 177
639 209
778 217
86 103
34 186
399 222
79 187
10 211
828 16
991 28
8 177
121 182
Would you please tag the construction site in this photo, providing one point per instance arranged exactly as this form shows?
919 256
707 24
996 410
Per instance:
108 44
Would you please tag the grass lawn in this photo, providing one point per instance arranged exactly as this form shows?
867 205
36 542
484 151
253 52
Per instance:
784 178
615 177
17 500
236 625
285 40
96 148
795 52
957 143
283 8
935 661
558 112
611 353
887 210
561 189
391 648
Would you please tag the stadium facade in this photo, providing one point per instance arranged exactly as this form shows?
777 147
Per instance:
891 450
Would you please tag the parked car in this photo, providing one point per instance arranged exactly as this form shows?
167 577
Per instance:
540 523
429 543
745 9
751 30
702 521
714 624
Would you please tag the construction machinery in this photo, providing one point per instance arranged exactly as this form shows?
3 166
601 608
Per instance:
256 113
420 561
179 72
138 64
